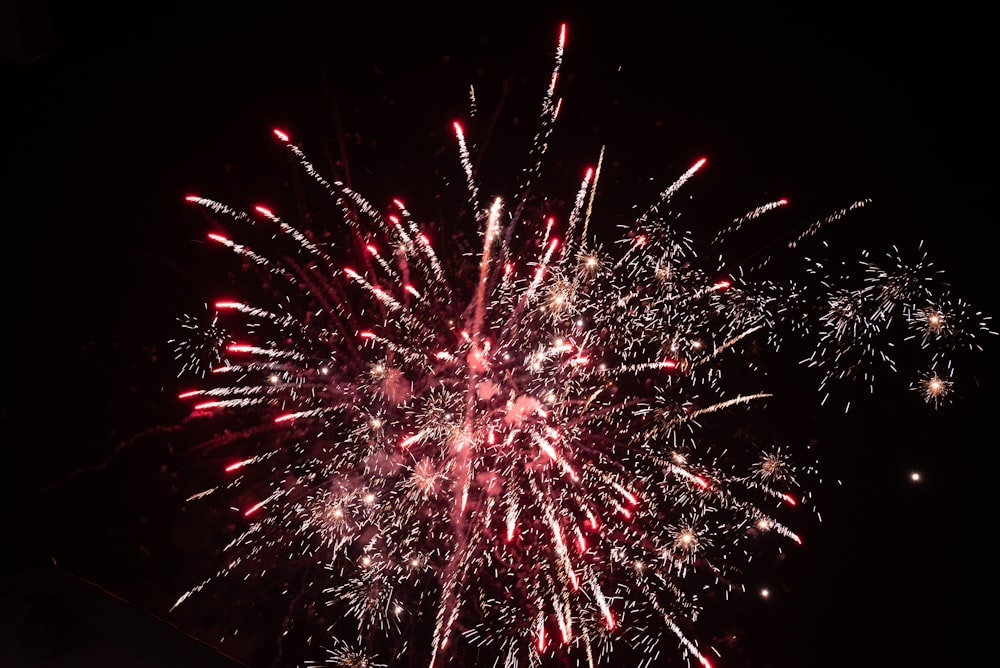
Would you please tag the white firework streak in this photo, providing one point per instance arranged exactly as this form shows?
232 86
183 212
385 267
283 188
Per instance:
517 468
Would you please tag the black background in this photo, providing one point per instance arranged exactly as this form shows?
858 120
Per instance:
115 115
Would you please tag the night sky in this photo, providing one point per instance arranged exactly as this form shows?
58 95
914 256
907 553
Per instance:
115 117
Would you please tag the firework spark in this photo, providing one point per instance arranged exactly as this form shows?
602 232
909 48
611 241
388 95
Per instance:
503 449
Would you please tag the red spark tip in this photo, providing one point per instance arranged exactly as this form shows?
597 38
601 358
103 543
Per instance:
701 163
191 198
252 509
782 202
187 395
458 128
218 237
285 418
263 210
280 135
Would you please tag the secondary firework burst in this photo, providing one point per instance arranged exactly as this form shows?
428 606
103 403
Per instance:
501 452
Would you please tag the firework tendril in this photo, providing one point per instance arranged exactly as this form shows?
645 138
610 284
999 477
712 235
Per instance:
502 447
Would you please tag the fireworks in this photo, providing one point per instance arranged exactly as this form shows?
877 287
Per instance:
501 451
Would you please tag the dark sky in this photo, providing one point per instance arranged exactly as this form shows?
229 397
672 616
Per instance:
116 115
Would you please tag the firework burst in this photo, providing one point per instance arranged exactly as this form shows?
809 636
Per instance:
499 451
